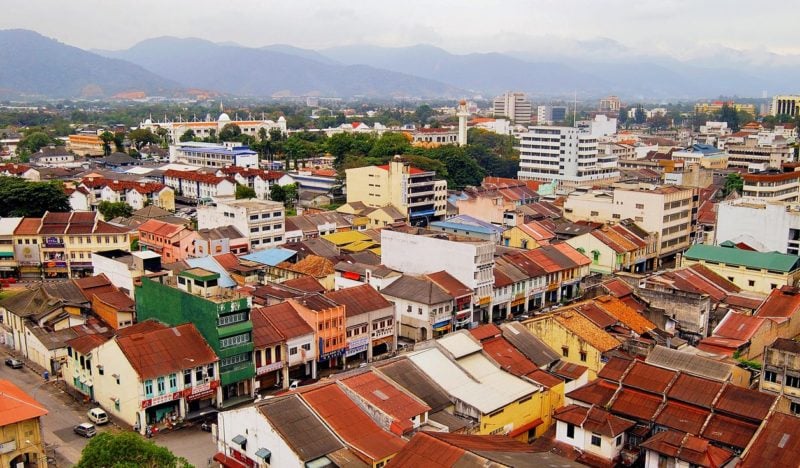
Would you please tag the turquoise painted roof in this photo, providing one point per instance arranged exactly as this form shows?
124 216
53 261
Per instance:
774 261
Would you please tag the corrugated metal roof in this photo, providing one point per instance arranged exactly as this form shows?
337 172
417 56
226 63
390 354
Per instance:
307 436
412 379
689 362
271 257
778 443
159 352
208 263
732 256
459 344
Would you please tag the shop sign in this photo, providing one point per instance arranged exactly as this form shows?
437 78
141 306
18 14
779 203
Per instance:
161 399
201 391
331 354
269 368
7 447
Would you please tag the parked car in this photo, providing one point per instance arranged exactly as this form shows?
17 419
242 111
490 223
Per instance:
14 363
97 416
85 430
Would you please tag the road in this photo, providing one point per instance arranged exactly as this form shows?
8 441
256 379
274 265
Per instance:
64 412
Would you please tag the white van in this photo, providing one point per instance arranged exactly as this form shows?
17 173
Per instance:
97 416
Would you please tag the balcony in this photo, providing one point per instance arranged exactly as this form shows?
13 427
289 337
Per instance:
237 372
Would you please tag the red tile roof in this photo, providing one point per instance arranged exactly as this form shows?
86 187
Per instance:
350 423
738 326
194 176
16 405
507 356
649 378
160 228
264 332
157 353
305 283
388 398
287 320
360 300
618 288
28 227
778 443
92 285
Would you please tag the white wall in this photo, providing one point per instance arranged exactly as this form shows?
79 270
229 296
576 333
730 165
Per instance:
117 272
250 423
129 391
768 224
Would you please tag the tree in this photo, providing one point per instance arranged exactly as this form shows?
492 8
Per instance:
111 210
243 191
18 197
35 141
119 142
188 135
639 116
230 132
622 117
729 114
141 137
423 114
127 449
276 193
390 144
287 194
462 170
107 138
338 146
733 182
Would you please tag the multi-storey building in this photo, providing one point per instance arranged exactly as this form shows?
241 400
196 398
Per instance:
222 316
785 104
213 154
85 144
8 264
764 225
566 155
174 242
470 261
716 106
668 211
781 371
515 106
20 428
210 128
327 319
262 221
198 185
769 150
547 115
610 104
416 193
781 186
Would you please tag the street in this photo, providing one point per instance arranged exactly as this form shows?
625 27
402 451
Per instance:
64 412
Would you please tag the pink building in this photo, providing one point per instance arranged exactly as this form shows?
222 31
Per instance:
174 242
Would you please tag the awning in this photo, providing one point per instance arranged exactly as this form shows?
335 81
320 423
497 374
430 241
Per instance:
264 454
239 439
228 462
525 427
6 254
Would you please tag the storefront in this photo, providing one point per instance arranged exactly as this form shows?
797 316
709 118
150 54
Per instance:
441 328
357 350
462 320
157 410
269 375
81 269
201 399
382 346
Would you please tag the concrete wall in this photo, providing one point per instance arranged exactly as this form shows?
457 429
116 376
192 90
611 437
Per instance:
690 310
250 423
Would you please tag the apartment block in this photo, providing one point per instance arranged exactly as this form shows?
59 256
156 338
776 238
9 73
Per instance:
262 221
515 106
216 155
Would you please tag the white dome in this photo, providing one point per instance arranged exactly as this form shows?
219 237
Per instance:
223 117
281 119
148 122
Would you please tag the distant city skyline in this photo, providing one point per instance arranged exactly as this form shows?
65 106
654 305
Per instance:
680 28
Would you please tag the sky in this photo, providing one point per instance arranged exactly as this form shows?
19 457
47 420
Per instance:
679 28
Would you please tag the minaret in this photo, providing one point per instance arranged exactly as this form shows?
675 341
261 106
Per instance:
462 114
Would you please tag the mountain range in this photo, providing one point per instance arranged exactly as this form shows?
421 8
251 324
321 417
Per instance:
169 66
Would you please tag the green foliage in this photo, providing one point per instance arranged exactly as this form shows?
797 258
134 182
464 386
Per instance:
388 145
423 114
111 210
18 197
230 132
127 449
733 182
142 137
107 138
243 191
188 135
729 114
462 170
36 140
287 194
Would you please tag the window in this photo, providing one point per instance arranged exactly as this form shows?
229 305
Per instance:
231 318
100 370
210 370
162 387
583 356
751 283
306 346
618 442
187 377
116 404
565 351
770 376
148 388
173 382
794 408
570 431
293 351
234 340
198 374
593 213
408 309
596 440
640 206
792 381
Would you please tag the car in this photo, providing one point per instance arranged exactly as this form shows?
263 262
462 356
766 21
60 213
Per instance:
97 416
14 363
85 430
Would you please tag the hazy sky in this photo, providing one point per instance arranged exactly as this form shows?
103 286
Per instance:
678 27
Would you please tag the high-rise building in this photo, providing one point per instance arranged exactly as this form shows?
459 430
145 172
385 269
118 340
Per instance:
550 114
786 104
515 106
609 104
564 154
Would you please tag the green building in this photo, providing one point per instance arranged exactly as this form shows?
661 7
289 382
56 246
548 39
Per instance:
222 316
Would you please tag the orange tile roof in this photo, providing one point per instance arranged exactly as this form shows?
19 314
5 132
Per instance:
508 357
632 319
586 330
159 352
450 284
388 398
28 227
16 405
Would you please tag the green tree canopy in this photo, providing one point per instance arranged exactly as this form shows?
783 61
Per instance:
127 450
188 135
111 210
733 182
18 197
423 114
37 140
141 137
230 132
287 194
107 138
390 144
729 114
243 191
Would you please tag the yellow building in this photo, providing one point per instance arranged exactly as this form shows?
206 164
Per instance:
21 441
416 193
780 370
579 340
759 272
527 236
86 145
716 106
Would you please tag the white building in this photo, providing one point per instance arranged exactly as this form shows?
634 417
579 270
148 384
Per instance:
513 105
469 261
550 114
124 268
768 226
213 154
198 185
564 154
207 128
262 221
592 430
602 125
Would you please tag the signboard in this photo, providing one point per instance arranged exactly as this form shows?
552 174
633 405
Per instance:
269 368
161 399
27 254
204 390
9 446
53 242
357 346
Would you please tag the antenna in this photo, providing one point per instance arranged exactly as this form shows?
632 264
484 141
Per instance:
575 110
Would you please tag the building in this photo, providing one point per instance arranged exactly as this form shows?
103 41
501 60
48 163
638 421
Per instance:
527 236
610 104
666 211
781 371
262 221
770 150
513 105
759 272
782 186
370 322
776 444
20 428
600 126
196 186
764 225
443 450
136 194
259 180
210 128
433 137
416 193
292 351
123 268
221 316
172 241
328 320
785 105
566 155
86 144
155 375
215 155
468 226
675 448
422 308
469 260
715 107
9 268
619 247
548 115
592 430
